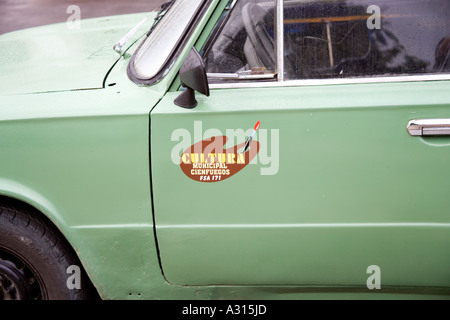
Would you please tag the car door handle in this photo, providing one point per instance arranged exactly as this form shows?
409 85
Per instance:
429 127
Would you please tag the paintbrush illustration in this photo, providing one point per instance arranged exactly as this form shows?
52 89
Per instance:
249 140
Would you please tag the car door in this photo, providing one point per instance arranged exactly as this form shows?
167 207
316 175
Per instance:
335 183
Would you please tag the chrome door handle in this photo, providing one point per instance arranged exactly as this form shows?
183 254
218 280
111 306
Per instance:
429 127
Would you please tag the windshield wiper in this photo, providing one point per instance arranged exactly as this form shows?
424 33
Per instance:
161 13
119 44
164 8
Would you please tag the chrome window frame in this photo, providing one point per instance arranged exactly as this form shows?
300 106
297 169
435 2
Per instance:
327 82
181 43
281 82
279 47
279 39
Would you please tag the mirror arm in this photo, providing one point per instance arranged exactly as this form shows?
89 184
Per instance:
186 99
193 78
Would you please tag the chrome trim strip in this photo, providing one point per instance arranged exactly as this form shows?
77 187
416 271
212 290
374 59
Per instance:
279 40
323 82
311 225
429 127
240 76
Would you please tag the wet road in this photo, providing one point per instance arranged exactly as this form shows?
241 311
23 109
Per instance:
20 14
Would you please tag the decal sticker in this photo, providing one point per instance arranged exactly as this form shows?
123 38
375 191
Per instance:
208 161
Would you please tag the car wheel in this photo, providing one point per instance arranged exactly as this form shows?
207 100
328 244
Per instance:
34 261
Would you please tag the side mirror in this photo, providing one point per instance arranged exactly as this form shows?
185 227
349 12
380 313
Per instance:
193 77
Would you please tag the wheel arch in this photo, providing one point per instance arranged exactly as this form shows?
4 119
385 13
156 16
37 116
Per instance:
34 203
31 208
36 206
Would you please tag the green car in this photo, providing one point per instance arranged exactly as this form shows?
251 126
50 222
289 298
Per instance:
229 150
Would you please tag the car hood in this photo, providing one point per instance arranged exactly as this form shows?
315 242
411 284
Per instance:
56 58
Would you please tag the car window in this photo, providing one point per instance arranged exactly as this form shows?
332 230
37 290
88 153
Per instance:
331 39
245 45
156 48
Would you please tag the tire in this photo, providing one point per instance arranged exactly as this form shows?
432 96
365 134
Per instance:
34 261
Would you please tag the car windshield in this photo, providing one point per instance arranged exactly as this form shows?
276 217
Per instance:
157 47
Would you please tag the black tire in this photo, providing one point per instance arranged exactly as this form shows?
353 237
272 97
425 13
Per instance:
34 261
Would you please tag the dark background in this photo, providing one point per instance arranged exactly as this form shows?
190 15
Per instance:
21 14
